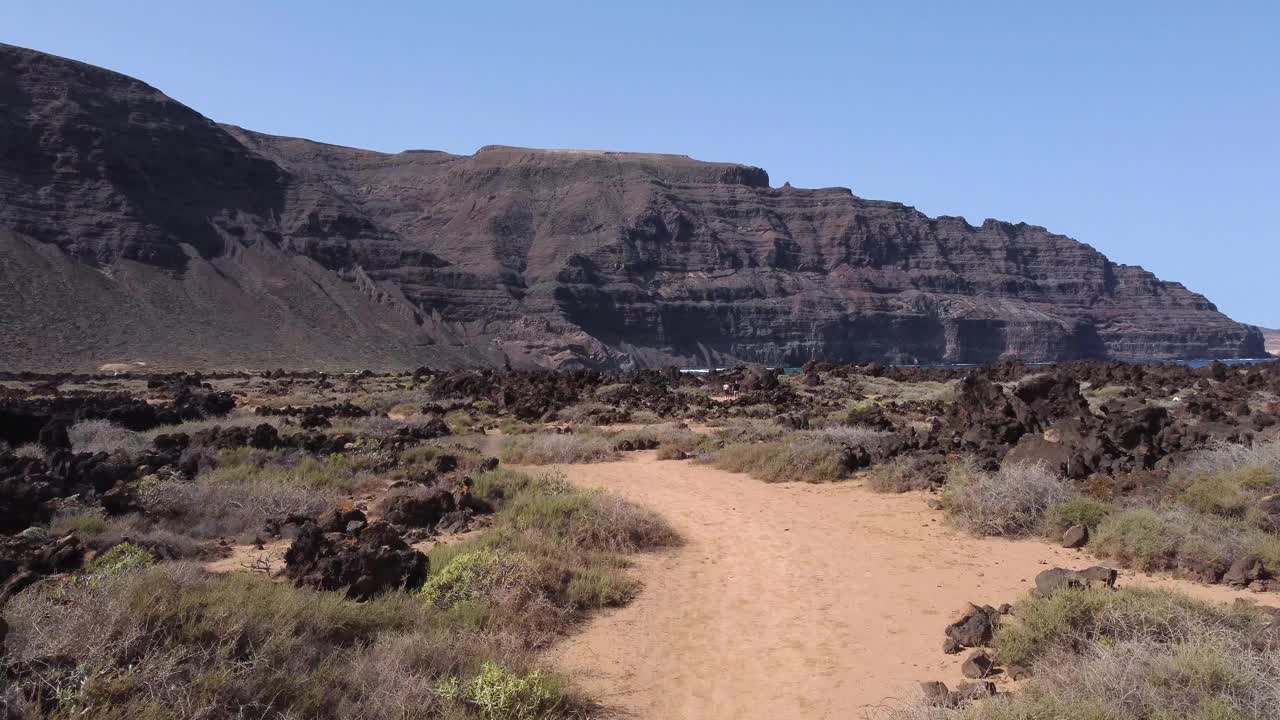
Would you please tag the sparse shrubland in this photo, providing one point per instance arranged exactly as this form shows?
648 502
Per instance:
138 638
901 474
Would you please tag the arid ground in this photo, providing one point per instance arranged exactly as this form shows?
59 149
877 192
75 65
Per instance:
1088 540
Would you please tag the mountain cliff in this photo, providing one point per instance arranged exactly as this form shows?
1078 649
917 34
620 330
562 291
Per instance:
133 228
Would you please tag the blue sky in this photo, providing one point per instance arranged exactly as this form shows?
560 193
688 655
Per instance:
1150 130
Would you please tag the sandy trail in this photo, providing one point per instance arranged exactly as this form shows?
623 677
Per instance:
794 600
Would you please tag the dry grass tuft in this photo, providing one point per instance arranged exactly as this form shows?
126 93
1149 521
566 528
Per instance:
1010 501
556 449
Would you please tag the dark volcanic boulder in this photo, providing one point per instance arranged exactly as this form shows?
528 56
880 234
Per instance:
376 561
419 507
973 628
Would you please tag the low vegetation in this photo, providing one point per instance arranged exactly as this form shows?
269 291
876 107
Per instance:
133 638
1223 509
805 456
1009 501
549 448
1136 654
93 436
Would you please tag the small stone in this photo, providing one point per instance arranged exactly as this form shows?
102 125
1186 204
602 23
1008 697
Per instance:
978 665
1017 672
936 694
951 647
971 691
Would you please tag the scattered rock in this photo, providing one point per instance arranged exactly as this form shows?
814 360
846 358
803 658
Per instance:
378 561
1076 536
1244 571
968 692
974 627
978 665
937 694
1055 579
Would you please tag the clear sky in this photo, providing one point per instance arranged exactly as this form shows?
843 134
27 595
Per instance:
1150 130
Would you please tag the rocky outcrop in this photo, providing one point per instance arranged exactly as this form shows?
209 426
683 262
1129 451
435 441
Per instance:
133 228
1272 340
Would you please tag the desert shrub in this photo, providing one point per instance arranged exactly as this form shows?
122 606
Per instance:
851 435
773 455
171 641
480 573
597 587
30 451
669 436
237 418
1166 538
1232 456
671 452
245 466
1079 510
103 436
553 552
248 486
1072 619
1134 654
748 431
556 448
901 474
501 694
1228 492
784 460
1010 501
386 401
590 413
123 558
1204 679
468 457
100 532
586 520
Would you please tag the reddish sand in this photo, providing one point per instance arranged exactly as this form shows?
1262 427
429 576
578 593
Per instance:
793 600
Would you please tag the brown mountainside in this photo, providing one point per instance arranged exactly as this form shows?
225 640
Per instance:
133 228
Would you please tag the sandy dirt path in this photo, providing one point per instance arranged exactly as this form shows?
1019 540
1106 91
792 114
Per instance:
793 600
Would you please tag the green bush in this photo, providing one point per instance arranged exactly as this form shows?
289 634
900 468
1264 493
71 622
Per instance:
120 559
1169 538
477 574
500 694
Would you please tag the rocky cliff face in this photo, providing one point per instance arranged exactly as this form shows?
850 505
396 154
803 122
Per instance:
187 242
